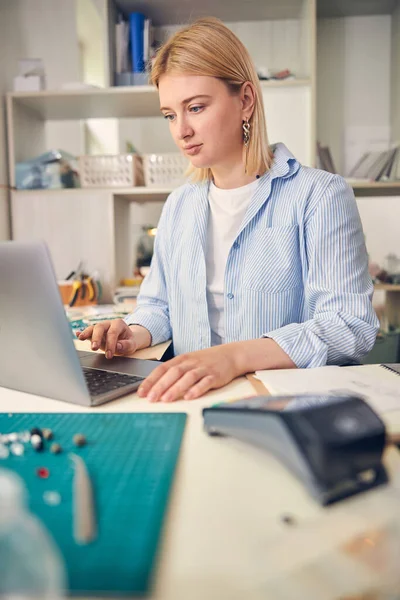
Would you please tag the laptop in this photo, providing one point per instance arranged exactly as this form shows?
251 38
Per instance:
37 352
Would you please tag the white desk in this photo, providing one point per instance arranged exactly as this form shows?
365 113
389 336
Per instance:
225 508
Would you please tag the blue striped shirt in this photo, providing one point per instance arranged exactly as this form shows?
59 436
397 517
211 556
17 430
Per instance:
297 271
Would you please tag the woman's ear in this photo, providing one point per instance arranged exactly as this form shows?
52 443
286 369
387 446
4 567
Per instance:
248 99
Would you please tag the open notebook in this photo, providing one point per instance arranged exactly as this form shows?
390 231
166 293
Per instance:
378 384
393 367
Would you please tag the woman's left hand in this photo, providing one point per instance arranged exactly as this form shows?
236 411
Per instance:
191 375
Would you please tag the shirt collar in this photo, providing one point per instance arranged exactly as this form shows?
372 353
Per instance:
284 164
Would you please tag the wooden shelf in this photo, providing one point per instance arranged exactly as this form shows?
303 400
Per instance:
387 287
373 185
374 188
272 83
135 194
163 13
344 8
114 102
169 13
142 194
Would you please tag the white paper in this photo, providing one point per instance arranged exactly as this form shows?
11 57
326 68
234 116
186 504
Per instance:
377 385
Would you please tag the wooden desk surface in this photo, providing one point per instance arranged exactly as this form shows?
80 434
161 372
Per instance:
226 508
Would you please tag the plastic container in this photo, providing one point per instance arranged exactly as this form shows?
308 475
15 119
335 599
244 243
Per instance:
164 169
31 566
113 170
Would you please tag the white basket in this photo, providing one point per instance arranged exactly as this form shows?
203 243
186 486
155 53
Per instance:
110 170
164 169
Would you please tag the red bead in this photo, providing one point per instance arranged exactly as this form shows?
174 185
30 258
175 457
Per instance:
42 472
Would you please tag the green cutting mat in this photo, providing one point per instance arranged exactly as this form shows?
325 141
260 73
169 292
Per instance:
131 459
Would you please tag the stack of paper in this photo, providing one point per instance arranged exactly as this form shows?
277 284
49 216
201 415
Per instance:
378 386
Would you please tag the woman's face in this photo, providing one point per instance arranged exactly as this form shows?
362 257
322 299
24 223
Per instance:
205 118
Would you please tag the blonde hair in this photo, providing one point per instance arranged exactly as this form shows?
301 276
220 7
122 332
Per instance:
208 47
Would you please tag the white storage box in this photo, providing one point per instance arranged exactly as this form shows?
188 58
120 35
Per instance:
162 170
31 83
109 170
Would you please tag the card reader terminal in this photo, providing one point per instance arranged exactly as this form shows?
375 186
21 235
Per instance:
333 444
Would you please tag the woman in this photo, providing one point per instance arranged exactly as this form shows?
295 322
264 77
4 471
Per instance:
259 262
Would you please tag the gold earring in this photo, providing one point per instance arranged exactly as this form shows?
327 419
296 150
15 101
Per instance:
246 140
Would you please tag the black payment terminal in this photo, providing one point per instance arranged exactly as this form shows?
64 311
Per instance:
333 444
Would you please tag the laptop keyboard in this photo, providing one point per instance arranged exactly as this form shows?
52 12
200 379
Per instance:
100 382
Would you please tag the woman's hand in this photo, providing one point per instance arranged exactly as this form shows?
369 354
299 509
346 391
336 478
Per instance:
191 375
116 337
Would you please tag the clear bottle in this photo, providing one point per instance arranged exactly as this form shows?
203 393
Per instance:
31 565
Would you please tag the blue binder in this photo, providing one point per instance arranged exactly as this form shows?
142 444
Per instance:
136 22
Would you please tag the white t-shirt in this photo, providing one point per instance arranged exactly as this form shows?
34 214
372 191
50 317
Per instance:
227 210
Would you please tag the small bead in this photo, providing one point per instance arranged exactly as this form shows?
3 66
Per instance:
4 452
37 442
52 498
55 448
24 437
12 437
79 439
17 449
42 472
36 431
47 434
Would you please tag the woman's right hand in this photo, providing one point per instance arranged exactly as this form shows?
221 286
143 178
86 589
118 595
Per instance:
114 337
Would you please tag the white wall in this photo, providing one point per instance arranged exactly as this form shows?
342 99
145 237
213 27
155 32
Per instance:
288 116
381 218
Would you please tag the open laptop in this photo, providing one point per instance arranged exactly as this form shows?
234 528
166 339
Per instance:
37 352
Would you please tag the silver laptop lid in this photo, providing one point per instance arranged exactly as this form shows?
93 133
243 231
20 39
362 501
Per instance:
37 353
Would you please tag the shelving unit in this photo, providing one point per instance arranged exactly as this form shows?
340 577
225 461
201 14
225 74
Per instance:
94 225
375 188
392 302
358 83
387 287
278 34
139 194
108 102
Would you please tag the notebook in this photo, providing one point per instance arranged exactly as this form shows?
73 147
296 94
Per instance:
378 384
394 367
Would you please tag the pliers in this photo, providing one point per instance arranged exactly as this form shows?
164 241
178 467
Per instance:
76 286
